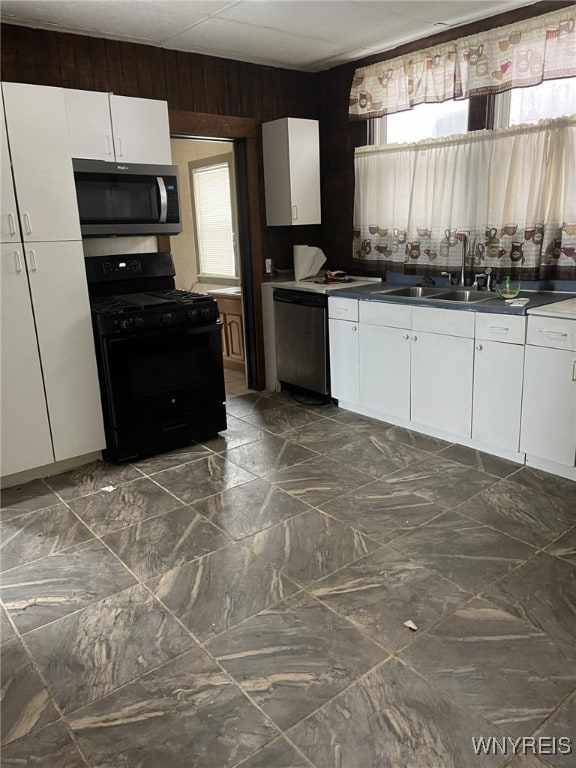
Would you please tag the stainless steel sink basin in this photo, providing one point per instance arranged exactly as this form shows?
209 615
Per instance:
412 292
468 297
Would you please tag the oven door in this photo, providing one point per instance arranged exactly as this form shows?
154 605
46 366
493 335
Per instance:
162 374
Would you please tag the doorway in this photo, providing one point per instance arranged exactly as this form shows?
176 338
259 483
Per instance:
207 253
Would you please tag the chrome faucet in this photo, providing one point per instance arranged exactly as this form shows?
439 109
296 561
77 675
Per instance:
487 276
448 275
464 255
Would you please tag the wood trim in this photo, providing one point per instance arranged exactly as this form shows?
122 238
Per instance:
244 129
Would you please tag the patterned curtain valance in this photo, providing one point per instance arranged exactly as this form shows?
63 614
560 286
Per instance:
515 56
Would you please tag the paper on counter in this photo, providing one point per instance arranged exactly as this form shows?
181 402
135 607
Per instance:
307 261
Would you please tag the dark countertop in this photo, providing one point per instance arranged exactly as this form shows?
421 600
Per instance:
492 304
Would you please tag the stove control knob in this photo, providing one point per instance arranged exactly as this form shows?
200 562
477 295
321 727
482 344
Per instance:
206 313
192 315
124 324
139 322
166 318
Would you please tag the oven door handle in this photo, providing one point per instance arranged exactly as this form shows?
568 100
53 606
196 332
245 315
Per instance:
163 199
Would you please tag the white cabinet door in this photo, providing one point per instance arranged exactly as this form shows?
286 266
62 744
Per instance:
498 372
141 130
25 432
89 124
61 307
41 161
442 369
344 360
548 427
9 226
385 370
291 151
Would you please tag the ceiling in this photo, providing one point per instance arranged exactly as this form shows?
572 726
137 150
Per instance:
308 35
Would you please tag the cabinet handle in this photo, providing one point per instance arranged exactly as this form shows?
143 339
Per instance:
555 334
118 143
499 328
294 213
354 327
17 261
33 264
479 347
108 144
406 336
574 371
414 338
27 225
11 224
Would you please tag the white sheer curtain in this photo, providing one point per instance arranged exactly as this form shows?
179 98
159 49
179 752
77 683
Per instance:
512 192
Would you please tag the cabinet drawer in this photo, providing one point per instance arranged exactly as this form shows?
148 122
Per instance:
501 328
556 333
452 322
342 309
381 313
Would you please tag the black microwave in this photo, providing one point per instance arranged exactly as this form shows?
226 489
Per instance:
126 198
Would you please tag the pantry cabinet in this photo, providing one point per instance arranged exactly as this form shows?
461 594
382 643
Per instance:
104 126
9 225
41 162
291 148
25 435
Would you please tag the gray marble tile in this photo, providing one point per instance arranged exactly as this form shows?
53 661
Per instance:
172 458
6 631
45 590
310 546
383 590
322 435
522 512
30 497
377 456
560 726
202 478
469 553
394 718
542 592
417 439
129 503
357 421
164 542
25 702
38 534
501 667
294 657
565 546
51 747
484 462
244 405
217 591
278 754
546 483
186 714
268 455
318 480
90 478
249 508
527 761
90 653
282 419
239 432
444 482
381 511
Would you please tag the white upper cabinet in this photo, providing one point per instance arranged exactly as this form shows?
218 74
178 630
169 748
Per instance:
9 226
291 149
103 126
26 441
41 162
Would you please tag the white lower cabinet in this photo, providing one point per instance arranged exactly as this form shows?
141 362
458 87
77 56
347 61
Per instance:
385 370
441 382
25 435
344 368
549 405
498 372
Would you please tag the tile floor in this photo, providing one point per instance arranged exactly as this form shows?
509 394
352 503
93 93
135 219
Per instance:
241 603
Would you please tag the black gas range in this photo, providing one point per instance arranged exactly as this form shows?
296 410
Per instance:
159 353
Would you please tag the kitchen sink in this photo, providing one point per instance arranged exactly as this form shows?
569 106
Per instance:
468 297
413 291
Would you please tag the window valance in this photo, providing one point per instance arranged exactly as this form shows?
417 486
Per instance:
514 56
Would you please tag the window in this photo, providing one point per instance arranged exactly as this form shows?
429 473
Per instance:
551 98
425 121
212 186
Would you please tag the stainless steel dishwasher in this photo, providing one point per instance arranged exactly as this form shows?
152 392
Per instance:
301 322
